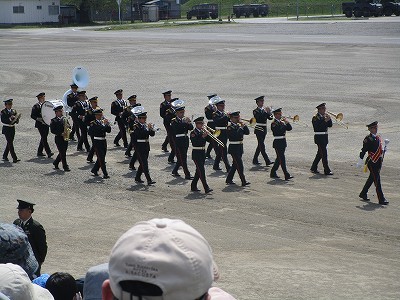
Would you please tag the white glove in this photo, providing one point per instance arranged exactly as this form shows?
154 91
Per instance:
360 163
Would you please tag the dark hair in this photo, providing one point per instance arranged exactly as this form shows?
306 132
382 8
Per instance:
62 286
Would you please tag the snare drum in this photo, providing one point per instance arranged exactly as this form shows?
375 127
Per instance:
47 110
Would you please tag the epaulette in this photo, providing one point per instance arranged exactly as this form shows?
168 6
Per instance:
173 119
92 122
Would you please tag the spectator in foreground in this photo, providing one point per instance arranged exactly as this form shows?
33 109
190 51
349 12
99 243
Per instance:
62 286
16 285
162 259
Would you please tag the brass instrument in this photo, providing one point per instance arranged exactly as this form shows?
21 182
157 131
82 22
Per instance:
215 132
67 129
295 119
252 123
338 118
17 116
212 133
153 127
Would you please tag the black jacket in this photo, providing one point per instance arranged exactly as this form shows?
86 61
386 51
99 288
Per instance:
370 144
261 117
117 107
235 134
320 125
279 128
6 119
97 129
57 126
141 132
179 127
36 114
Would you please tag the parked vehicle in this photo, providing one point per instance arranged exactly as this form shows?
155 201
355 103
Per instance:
250 9
362 8
203 11
390 7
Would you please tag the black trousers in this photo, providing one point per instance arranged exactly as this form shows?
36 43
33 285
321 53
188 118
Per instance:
92 151
84 137
44 144
62 147
171 139
261 146
280 161
121 134
221 152
143 158
181 160
237 165
199 159
75 129
133 159
322 153
374 177
9 133
100 148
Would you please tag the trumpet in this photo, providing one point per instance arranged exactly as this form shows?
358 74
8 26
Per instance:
153 127
253 123
212 133
338 118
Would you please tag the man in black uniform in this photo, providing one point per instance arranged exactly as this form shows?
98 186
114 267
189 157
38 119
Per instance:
80 108
43 128
235 131
117 108
98 130
208 111
198 138
221 120
72 98
34 230
373 145
57 126
169 115
9 118
140 138
279 126
126 117
164 107
321 122
261 114
89 118
180 126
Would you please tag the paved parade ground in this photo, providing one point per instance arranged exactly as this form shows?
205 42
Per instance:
308 238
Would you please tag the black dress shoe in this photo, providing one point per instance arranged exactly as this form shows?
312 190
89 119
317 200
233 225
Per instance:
364 197
314 171
79 149
217 169
207 191
128 154
5 158
288 177
176 174
328 173
151 182
245 183
16 160
67 169
50 154
384 202
274 176
268 162
256 163
95 173
90 161
56 166
229 182
189 177
164 150
40 154
139 180
117 145
171 162
106 177
195 190
132 168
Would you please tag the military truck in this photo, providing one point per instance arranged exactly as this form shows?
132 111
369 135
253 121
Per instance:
250 9
362 8
390 7
203 11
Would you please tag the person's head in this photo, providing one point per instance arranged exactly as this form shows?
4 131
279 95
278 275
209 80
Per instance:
93 101
235 116
180 112
142 117
98 113
15 248
8 103
62 286
82 95
167 96
132 100
373 127
25 209
118 94
41 97
260 101
321 108
15 284
58 111
199 122
74 88
220 105
163 258
277 113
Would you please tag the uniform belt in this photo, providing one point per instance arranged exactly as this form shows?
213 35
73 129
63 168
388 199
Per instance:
8 125
199 148
99 138
220 128
210 121
281 137
236 142
320 133
143 141
181 135
261 124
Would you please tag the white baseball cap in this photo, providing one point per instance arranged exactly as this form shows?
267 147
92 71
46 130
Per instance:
15 284
167 253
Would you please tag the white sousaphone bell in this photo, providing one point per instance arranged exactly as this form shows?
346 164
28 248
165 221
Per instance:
178 103
80 76
137 110
214 100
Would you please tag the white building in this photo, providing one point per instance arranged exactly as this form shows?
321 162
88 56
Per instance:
29 11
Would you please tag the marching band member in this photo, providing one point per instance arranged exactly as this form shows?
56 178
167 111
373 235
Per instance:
117 108
42 127
221 120
373 145
80 111
132 123
89 117
164 107
279 126
198 138
98 129
57 127
261 115
208 111
72 98
180 125
321 122
9 118
125 118
235 131
141 134
169 116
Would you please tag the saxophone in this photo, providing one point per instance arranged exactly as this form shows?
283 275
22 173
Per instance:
67 129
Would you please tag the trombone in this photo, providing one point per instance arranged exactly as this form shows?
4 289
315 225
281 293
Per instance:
296 119
338 118
253 123
212 133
